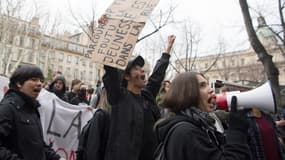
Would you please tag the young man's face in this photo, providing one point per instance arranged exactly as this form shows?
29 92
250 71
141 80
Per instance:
31 87
137 77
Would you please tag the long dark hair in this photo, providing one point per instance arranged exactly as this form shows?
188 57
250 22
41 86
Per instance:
24 73
184 92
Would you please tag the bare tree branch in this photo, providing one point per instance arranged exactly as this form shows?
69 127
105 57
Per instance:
166 22
266 59
281 20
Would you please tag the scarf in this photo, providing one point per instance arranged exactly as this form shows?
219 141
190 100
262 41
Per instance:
206 123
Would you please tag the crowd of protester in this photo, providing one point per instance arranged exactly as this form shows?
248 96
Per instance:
137 115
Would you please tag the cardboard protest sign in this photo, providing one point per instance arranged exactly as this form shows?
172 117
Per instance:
62 123
113 42
4 83
135 10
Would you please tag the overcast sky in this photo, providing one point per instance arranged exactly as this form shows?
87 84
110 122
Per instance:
220 19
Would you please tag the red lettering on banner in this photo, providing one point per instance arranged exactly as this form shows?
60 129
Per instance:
71 155
5 89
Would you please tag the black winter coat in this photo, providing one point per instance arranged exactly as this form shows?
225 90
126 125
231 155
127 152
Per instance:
193 141
21 136
133 116
98 135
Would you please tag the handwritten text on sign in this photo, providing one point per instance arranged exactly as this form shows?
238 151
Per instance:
114 42
135 10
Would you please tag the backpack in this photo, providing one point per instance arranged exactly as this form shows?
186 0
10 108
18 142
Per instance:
82 140
160 150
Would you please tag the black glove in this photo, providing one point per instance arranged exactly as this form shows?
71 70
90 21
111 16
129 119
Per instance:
238 118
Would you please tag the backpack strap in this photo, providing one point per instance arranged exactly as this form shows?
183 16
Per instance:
161 147
172 129
83 138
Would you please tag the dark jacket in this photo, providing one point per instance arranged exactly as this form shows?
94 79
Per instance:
133 116
60 94
98 135
70 95
195 141
76 100
21 136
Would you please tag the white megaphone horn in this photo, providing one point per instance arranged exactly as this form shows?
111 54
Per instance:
261 97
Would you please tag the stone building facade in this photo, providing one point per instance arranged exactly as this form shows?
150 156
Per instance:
241 66
21 42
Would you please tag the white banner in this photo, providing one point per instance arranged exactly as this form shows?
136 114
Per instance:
62 123
4 82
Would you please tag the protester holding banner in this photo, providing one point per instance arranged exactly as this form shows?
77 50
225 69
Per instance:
80 98
58 87
75 87
21 135
134 109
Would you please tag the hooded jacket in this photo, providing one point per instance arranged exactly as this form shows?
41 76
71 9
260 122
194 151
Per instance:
195 141
61 93
21 136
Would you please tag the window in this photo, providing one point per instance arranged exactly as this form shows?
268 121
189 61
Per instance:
91 64
68 72
83 63
19 53
60 57
42 66
31 57
90 76
51 55
21 41
24 27
8 51
232 62
59 68
1 35
10 67
68 58
10 39
242 61
42 55
75 74
82 75
32 43
76 60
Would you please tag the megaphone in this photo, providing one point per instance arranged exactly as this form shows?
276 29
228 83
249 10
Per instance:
261 97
